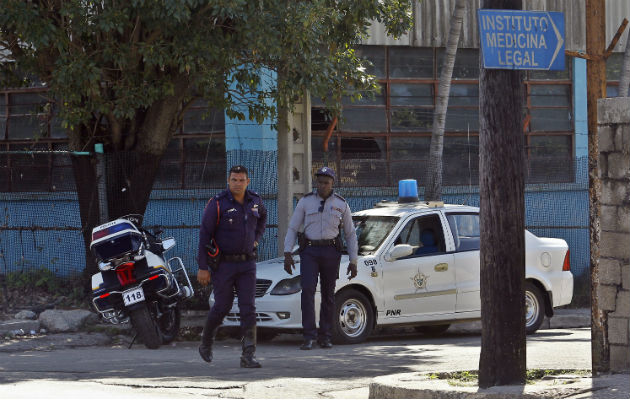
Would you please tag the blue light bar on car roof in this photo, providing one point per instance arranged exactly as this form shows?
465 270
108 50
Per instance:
407 191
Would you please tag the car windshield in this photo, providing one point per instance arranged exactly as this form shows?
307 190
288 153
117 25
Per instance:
372 231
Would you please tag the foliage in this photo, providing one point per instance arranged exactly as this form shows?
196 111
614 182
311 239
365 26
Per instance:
41 278
114 66
41 288
123 72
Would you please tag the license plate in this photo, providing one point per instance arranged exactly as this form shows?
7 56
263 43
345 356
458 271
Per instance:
133 296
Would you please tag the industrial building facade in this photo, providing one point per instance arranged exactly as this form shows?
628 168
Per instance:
376 140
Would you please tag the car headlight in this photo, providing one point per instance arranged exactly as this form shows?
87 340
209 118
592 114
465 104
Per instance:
287 286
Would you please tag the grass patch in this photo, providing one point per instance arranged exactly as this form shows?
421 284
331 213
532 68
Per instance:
471 378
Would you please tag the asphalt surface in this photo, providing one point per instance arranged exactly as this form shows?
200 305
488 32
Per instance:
69 365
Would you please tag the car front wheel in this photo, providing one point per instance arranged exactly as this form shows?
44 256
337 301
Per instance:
354 317
534 308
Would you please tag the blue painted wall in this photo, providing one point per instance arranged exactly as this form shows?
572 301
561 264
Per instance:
62 250
254 145
580 107
551 210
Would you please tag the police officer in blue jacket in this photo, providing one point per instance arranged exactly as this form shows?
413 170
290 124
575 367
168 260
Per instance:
233 221
323 214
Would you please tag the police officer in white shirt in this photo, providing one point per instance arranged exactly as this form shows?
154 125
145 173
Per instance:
323 214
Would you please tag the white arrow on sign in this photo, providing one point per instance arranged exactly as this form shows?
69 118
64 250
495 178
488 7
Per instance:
558 36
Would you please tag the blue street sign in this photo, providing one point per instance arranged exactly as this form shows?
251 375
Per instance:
515 39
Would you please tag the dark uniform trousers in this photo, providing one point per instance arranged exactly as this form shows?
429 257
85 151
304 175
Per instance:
239 275
322 260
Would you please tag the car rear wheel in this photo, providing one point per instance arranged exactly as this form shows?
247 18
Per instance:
354 318
534 308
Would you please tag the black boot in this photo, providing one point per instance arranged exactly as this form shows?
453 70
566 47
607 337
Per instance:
249 348
207 340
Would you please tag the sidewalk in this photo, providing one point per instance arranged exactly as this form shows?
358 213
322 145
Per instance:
419 386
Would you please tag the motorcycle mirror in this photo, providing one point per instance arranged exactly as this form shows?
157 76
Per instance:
157 231
168 243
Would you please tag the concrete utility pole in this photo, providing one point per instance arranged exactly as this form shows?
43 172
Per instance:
294 161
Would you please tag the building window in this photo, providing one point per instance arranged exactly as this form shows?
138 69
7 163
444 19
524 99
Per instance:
398 121
24 115
193 162
614 66
30 133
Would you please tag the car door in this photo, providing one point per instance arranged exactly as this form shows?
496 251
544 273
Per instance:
465 229
422 283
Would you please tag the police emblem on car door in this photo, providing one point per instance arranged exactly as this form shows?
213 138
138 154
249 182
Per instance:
423 282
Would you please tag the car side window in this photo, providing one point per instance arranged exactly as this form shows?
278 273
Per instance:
424 234
465 228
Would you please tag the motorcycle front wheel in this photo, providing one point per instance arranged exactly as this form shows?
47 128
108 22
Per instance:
145 326
168 323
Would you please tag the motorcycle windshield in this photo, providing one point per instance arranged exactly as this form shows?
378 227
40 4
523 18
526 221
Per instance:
117 247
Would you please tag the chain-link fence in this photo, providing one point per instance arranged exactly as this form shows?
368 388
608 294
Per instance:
41 225
40 217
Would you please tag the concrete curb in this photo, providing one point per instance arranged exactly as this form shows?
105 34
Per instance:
562 319
22 335
54 342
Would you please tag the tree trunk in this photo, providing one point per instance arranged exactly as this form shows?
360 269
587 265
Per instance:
130 177
129 174
502 223
624 81
433 188
85 178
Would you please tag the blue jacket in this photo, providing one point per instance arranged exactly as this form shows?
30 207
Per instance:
239 225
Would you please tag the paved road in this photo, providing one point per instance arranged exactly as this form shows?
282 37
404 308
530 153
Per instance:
344 371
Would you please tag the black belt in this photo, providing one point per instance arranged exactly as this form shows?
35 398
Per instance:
322 242
238 257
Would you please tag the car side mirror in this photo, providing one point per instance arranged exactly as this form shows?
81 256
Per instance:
168 243
399 251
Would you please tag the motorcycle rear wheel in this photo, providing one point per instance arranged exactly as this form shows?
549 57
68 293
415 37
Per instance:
146 327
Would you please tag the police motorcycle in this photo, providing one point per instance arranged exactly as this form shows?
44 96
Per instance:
136 282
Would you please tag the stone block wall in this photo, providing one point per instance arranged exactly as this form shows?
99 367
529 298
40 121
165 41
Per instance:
613 277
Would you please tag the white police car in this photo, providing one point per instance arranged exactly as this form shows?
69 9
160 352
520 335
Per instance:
418 265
